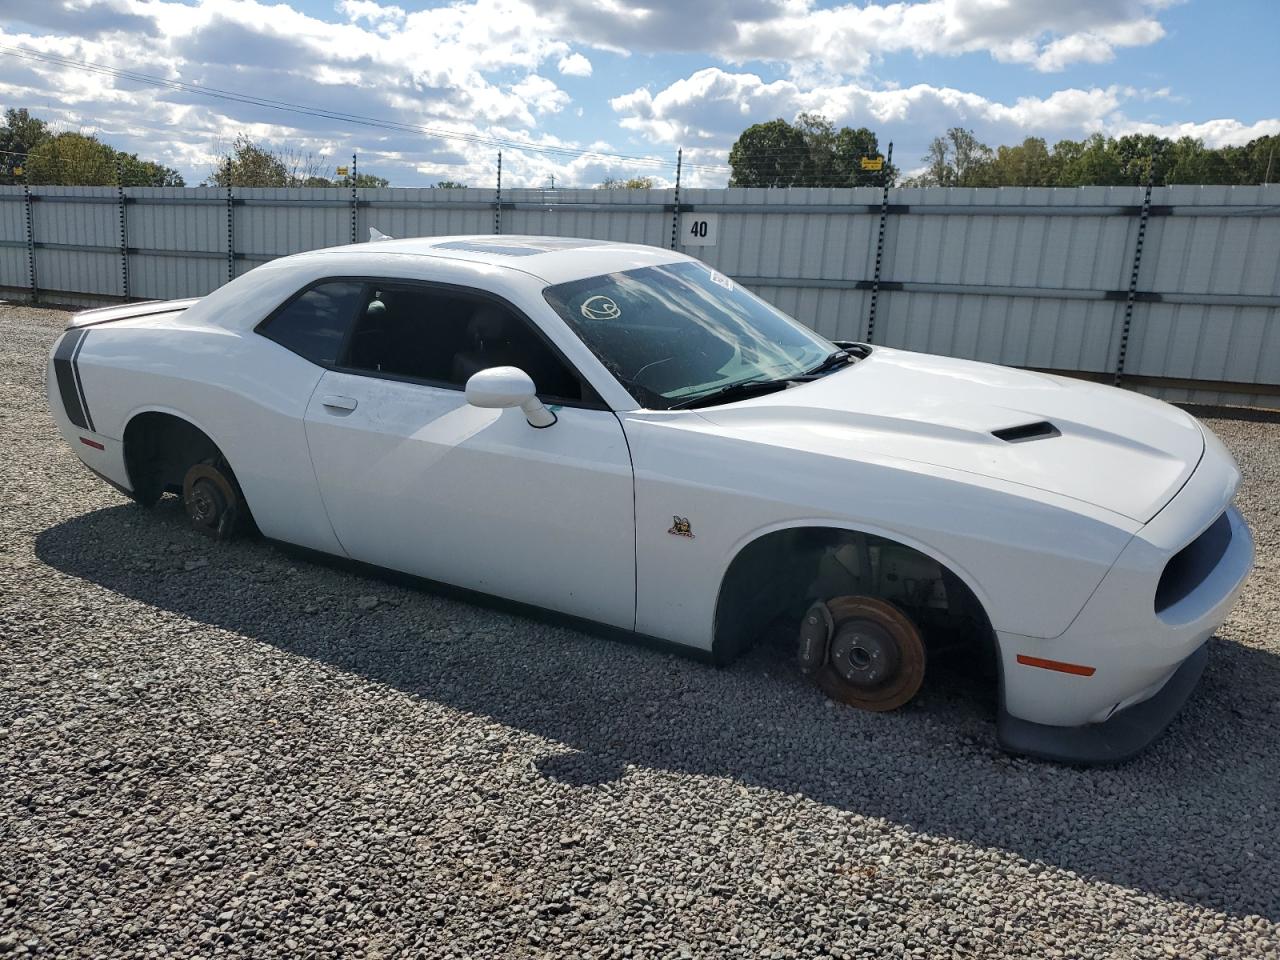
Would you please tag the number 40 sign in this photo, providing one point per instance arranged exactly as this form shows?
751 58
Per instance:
699 229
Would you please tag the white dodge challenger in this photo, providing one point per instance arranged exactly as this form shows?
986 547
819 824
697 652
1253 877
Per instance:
621 434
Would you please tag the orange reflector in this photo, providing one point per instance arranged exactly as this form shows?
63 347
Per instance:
1077 669
92 443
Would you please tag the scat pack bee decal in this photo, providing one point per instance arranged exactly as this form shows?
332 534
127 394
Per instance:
680 527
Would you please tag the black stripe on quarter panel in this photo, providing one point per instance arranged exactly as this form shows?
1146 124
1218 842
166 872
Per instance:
75 368
67 388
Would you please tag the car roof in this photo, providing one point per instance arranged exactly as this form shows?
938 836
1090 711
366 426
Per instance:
552 259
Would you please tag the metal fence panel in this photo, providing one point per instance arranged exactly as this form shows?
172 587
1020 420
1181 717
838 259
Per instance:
275 222
402 212
13 238
79 217
1036 277
597 214
177 240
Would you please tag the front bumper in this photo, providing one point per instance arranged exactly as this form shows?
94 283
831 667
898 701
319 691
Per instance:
1137 665
1126 733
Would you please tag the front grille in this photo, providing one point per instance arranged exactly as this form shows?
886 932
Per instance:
1188 568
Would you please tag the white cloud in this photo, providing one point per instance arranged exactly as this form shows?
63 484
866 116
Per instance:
485 69
847 39
712 106
574 65
443 68
709 108
541 94
1215 133
371 11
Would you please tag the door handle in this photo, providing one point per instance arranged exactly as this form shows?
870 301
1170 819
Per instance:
339 403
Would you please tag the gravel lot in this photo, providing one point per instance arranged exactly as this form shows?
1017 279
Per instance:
226 750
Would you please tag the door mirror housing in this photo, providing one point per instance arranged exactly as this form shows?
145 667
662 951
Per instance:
502 387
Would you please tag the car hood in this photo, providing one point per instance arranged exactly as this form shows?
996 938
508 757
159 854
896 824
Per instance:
1110 448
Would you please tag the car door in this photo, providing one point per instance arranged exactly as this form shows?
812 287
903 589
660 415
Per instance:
415 479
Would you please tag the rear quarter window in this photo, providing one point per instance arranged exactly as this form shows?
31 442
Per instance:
315 323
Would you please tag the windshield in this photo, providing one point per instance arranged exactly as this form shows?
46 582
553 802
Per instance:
680 330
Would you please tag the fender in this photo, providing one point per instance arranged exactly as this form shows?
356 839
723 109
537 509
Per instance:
885 533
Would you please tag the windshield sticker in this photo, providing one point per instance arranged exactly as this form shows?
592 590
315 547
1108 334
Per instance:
600 308
721 279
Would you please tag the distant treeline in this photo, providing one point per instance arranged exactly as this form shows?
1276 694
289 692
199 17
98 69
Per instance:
30 150
812 153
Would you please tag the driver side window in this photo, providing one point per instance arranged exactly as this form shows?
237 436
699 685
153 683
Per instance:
444 337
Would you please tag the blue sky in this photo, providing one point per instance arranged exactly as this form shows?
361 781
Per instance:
594 80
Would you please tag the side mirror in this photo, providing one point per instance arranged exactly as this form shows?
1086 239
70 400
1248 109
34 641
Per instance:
502 387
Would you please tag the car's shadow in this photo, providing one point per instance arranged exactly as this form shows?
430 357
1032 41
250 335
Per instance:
1164 823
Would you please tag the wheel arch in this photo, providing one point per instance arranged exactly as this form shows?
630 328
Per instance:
147 422
755 554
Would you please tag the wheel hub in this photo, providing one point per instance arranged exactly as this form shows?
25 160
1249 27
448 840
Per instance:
864 654
205 504
209 501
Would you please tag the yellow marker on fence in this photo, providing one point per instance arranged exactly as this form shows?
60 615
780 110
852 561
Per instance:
873 163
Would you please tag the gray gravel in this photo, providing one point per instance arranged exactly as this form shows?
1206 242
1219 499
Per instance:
226 750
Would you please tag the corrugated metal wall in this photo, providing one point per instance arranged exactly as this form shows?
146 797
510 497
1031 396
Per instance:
1031 277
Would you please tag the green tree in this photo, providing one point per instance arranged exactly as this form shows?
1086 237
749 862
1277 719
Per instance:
631 183
370 180
72 159
957 159
1142 157
849 147
1029 164
770 154
445 185
812 152
1192 162
20 134
135 172
248 164
819 169
1258 161
1088 163
252 164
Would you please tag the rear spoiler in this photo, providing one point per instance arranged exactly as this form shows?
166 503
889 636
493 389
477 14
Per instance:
126 311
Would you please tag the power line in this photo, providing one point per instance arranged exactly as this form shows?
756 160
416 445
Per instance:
782 155
321 113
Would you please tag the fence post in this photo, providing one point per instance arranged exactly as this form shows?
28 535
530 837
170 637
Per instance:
675 210
1133 279
884 213
355 199
31 241
124 231
231 229
497 204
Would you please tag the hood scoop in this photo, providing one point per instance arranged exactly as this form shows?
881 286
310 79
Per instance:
1025 433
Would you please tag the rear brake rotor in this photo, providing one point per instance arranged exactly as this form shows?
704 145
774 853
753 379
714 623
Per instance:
210 501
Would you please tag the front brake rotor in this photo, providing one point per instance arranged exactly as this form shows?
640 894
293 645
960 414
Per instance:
876 658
